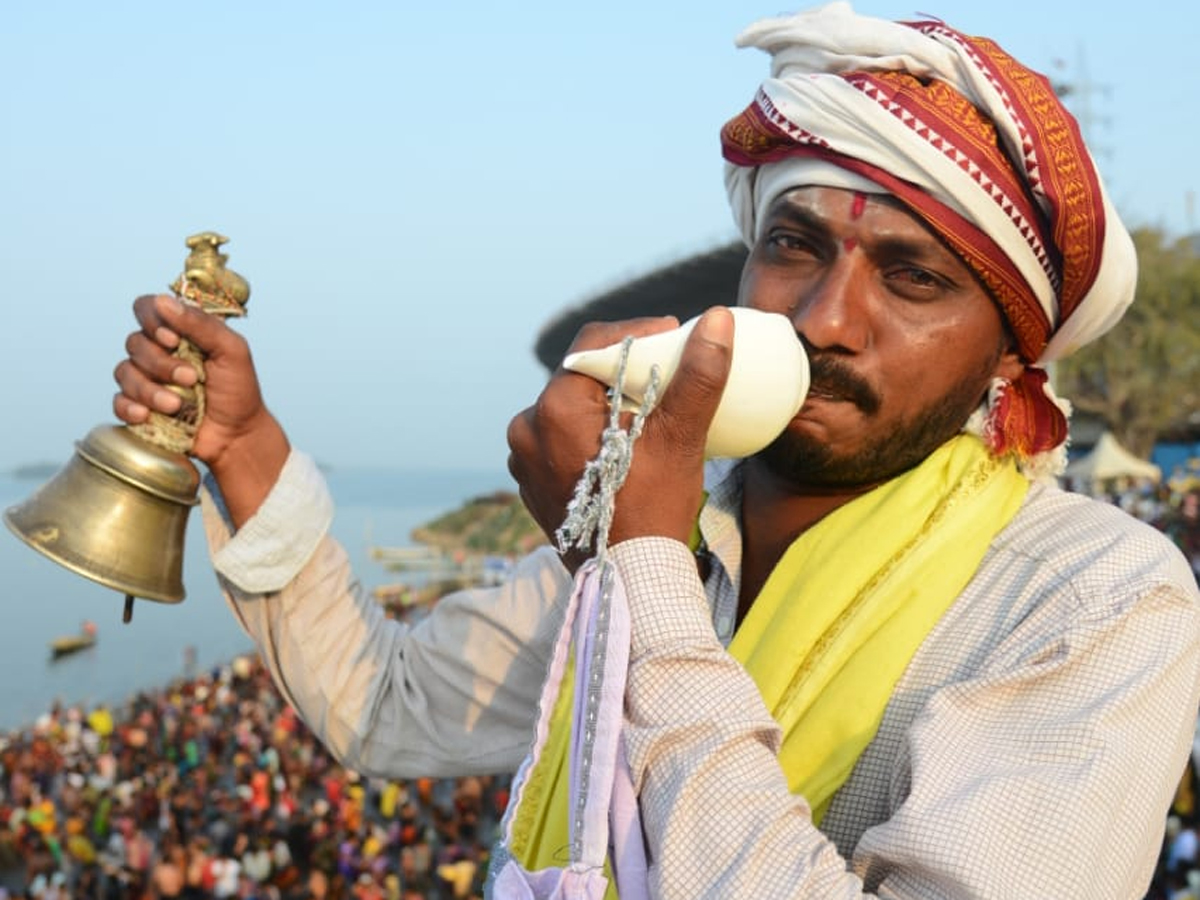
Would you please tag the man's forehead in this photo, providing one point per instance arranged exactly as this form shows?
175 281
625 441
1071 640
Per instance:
820 206
819 198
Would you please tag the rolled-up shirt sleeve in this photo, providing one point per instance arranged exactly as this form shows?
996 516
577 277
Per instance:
454 694
270 549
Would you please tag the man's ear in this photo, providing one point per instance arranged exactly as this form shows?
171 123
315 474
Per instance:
1009 366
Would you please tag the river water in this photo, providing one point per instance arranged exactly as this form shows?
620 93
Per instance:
41 600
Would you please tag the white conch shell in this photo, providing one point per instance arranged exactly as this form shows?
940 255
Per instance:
768 377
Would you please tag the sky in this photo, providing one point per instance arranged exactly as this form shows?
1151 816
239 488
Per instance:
414 189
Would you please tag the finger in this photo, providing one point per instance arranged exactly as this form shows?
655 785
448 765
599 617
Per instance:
518 436
206 331
145 309
128 411
604 334
154 361
142 391
691 399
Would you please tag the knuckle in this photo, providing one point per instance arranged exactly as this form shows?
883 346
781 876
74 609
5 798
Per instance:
591 334
708 378
124 375
680 435
546 407
568 394
515 436
123 409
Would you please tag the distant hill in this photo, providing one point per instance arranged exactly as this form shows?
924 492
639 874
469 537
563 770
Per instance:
494 524
459 544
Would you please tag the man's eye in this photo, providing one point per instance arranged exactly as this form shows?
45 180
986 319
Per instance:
916 277
790 241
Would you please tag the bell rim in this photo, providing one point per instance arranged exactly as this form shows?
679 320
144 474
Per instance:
127 588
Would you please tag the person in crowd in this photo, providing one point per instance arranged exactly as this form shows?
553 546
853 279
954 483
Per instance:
1182 524
168 874
883 656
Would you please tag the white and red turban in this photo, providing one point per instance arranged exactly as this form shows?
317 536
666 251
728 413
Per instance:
973 142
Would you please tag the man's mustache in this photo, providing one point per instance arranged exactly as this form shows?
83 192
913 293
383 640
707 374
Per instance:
832 379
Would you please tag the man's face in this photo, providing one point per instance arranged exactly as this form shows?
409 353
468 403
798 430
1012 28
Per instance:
902 339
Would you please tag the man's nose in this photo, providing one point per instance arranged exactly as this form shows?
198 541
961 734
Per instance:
832 313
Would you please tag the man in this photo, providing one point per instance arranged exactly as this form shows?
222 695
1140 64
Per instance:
911 669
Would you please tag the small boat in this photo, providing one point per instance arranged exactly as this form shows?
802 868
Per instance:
73 643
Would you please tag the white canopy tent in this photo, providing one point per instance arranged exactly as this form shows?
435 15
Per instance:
1108 460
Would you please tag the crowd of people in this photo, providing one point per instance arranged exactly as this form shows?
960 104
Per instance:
213 787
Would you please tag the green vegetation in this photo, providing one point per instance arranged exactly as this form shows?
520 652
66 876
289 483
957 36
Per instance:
496 524
1143 377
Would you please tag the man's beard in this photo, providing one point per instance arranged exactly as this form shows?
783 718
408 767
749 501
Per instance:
803 459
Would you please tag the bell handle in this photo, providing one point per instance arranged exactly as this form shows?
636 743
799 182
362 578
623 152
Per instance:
207 284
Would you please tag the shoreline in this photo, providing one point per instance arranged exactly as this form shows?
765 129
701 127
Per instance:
117 697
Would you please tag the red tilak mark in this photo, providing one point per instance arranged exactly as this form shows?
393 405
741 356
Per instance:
860 203
850 244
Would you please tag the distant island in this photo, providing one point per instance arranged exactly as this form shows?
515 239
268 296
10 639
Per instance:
35 471
495 524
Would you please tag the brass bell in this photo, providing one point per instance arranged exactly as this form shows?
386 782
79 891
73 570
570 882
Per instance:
117 511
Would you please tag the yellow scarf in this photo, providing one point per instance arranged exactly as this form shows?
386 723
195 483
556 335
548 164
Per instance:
834 627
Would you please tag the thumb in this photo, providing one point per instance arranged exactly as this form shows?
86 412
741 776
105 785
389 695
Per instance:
691 399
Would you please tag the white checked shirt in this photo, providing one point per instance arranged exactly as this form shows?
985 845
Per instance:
1030 750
